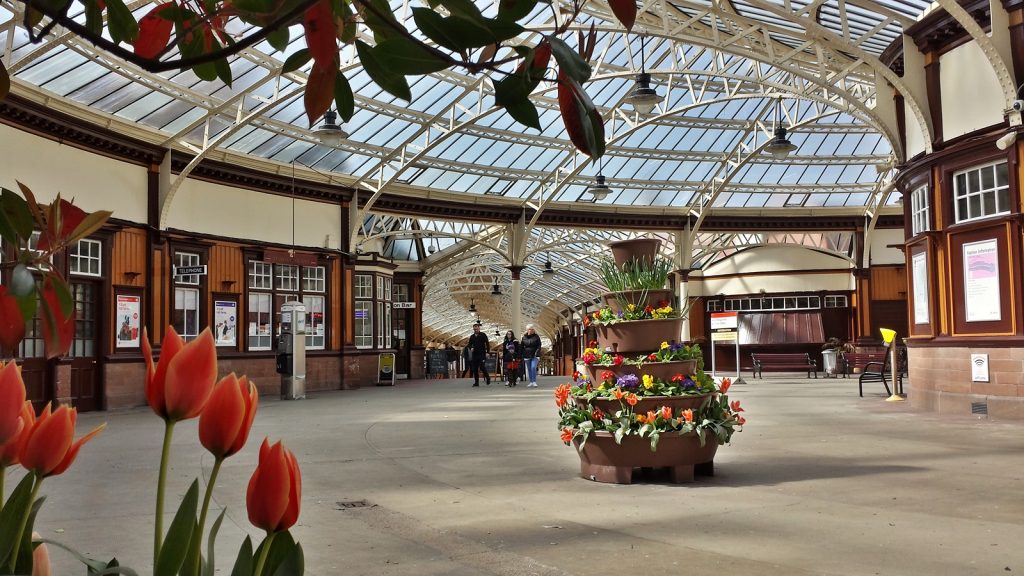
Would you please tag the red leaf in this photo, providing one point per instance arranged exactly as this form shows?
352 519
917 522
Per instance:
154 32
321 33
320 90
625 11
12 325
58 330
70 216
572 105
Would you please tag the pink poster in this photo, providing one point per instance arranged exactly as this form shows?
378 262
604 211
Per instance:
981 281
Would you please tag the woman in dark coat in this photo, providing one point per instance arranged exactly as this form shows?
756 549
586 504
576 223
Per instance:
511 356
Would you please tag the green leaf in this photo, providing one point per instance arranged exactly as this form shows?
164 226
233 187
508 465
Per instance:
67 303
93 17
296 61
28 304
293 564
23 564
569 61
243 564
223 70
438 28
179 535
206 71
619 434
120 22
460 32
279 38
93 567
194 547
513 94
382 21
403 56
394 84
465 8
281 547
515 10
11 515
208 569
14 209
88 225
344 101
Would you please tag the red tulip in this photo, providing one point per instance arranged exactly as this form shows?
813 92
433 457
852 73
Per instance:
180 384
724 386
9 451
12 325
225 422
12 396
49 447
275 489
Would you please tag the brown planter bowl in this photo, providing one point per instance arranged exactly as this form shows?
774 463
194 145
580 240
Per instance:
602 460
641 249
663 370
646 403
653 297
638 336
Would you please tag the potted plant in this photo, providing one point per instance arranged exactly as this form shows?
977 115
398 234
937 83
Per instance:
637 282
830 352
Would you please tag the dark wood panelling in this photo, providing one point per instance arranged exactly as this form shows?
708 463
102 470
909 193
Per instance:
1002 232
227 269
128 258
891 314
927 329
939 32
769 328
888 283
932 79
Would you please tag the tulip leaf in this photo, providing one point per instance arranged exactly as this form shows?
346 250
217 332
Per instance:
93 567
210 564
11 515
281 547
194 546
179 535
293 564
243 564
23 564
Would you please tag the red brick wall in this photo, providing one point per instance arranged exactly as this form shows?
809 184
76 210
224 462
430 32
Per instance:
942 381
125 384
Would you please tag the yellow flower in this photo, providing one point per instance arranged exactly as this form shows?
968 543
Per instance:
648 381
601 387
664 345
631 307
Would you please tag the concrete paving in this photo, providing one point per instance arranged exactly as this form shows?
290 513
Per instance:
474 481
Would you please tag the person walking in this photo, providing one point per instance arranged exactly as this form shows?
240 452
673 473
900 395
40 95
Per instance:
452 356
511 356
478 347
531 354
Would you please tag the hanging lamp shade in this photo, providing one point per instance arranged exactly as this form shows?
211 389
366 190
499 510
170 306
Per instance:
643 98
779 146
330 133
496 291
548 270
599 190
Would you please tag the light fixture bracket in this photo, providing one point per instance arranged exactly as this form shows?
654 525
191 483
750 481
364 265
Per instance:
330 133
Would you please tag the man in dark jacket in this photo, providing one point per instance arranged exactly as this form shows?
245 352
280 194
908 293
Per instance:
531 354
478 347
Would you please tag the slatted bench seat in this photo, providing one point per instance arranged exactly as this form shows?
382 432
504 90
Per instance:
856 361
799 361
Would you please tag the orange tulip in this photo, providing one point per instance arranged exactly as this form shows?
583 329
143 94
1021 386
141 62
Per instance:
225 422
688 415
9 451
49 447
12 396
274 489
632 399
567 435
40 558
180 384
666 413
724 387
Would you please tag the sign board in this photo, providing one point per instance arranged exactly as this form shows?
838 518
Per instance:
437 363
386 369
491 364
189 270
225 321
726 336
128 309
401 305
723 320
979 367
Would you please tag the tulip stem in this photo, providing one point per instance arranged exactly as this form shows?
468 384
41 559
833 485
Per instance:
161 481
263 554
23 523
206 507
3 476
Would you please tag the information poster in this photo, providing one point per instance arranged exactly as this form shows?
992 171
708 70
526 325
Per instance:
919 264
225 321
981 281
128 321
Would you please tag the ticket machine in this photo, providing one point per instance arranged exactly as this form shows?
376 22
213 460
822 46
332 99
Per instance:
291 351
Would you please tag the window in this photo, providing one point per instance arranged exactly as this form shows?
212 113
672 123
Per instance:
380 287
314 322
714 305
364 286
314 279
182 259
186 312
835 302
919 210
287 277
401 293
270 286
259 321
758 304
260 275
380 317
84 257
364 324
981 192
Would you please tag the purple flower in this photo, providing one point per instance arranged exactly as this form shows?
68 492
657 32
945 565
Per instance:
675 347
621 314
628 381
688 383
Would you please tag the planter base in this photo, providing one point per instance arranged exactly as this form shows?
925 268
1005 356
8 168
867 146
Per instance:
602 460
624 474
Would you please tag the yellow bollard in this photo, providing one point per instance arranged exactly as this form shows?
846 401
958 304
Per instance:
889 337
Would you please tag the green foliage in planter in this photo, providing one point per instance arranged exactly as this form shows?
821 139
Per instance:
635 275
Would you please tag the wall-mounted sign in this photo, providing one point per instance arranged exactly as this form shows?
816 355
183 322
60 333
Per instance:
724 336
225 321
401 305
979 367
189 270
981 281
919 265
723 320
128 320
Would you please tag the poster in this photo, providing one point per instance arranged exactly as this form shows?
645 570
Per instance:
128 321
981 281
225 317
919 266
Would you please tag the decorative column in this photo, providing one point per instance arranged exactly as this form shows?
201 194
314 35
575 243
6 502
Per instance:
682 260
517 300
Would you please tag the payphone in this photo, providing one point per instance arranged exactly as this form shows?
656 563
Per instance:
291 351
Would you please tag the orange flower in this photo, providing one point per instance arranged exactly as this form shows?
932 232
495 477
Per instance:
180 385
735 405
724 387
641 418
49 447
632 399
274 489
562 394
12 396
225 422
740 420
40 558
666 413
567 435
9 451
652 416
618 393
688 415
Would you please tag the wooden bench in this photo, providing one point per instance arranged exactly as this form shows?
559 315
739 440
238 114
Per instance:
853 361
799 361
878 371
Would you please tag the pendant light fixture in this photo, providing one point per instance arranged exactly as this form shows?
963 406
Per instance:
472 306
432 248
548 270
496 291
779 146
330 133
599 190
643 98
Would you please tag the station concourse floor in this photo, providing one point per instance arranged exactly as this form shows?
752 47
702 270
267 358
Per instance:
474 481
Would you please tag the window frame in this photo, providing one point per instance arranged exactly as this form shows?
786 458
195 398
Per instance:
197 255
74 257
920 210
981 193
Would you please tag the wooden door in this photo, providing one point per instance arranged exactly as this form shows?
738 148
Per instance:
35 370
86 388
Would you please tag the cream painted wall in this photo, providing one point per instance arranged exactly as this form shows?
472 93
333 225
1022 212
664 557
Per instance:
881 239
781 259
971 96
220 210
95 182
915 140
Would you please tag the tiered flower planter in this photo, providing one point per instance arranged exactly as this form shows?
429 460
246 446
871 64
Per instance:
638 336
662 370
602 460
637 297
646 403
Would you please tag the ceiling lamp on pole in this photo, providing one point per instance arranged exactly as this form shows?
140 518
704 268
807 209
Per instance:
643 98
779 146
330 133
548 270
496 291
472 306
599 190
